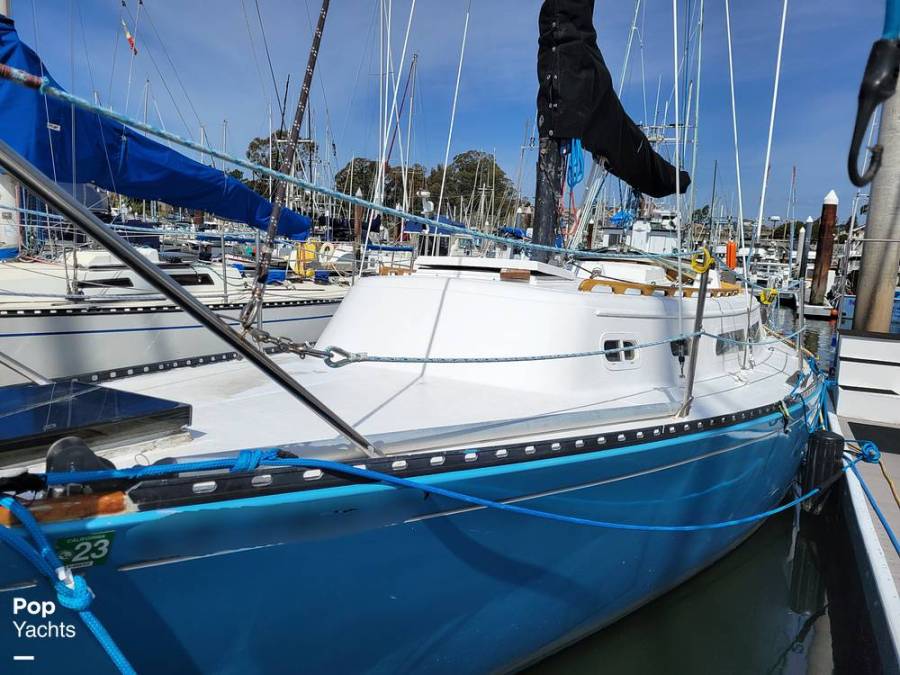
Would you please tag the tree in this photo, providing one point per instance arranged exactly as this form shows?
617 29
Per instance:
365 172
468 172
258 153
701 215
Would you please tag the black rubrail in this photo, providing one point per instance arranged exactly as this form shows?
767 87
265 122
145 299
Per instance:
178 491
576 99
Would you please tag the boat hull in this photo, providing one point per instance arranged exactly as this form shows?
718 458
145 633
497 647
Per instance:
99 343
368 578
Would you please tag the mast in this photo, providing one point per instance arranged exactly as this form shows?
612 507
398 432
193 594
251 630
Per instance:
251 309
546 193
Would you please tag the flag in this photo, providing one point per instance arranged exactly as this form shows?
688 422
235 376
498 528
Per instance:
129 37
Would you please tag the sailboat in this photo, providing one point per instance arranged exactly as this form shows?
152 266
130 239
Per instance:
82 314
515 459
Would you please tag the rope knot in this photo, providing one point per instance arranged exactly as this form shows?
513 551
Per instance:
870 452
77 597
247 460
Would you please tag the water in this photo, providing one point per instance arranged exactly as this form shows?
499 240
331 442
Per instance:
783 602
817 338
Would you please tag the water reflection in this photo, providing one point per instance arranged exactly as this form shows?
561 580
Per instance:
817 338
764 608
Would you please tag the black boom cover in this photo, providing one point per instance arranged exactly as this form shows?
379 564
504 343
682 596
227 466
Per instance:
576 99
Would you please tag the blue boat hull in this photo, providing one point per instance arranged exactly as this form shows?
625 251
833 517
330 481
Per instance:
368 578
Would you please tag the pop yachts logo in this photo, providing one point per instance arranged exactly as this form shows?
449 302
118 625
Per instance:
33 619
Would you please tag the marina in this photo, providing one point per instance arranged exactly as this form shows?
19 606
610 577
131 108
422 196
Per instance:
456 425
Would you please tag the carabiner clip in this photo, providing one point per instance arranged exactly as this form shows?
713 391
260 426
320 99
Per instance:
878 85
768 295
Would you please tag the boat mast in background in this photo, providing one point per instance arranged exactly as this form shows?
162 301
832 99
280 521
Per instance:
253 306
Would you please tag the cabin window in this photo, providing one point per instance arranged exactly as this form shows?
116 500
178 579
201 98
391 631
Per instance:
755 333
192 279
626 356
116 282
730 342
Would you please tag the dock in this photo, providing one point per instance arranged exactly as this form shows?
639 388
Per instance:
879 565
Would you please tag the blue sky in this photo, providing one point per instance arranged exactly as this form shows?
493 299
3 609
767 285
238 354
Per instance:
209 44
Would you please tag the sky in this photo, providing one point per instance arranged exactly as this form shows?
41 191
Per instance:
206 62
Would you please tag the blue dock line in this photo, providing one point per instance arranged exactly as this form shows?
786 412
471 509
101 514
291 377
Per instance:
71 591
77 596
872 455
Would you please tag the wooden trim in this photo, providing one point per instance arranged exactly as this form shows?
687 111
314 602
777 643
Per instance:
619 287
70 508
387 271
515 275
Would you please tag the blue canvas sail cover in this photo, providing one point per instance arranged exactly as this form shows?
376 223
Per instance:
115 157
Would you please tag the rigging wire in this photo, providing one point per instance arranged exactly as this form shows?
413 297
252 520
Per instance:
737 160
162 44
677 166
765 181
262 30
133 52
462 53
382 169
265 93
165 84
364 53
37 45
696 120
118 35
329 127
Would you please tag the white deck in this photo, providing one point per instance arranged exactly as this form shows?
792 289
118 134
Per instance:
414 407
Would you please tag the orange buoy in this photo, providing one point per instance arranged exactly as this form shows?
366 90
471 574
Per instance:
731 254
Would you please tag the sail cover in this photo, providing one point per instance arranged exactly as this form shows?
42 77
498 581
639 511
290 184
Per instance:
576 99
116 158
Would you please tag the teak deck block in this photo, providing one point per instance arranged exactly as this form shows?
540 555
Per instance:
70 508
386 271
515 275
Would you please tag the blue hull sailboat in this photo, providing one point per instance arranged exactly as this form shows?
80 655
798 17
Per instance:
515 458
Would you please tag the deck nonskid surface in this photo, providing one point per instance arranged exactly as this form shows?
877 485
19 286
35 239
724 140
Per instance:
235 406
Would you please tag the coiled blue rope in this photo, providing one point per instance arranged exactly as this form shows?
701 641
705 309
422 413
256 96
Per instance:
71 591
575 173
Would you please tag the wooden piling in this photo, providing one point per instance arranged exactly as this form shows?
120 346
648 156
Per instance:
824 249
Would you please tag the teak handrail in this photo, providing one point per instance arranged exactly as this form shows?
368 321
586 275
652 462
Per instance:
619 287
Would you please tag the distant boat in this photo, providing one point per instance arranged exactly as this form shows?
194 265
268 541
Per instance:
90 317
